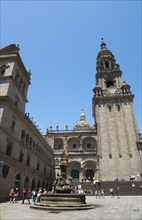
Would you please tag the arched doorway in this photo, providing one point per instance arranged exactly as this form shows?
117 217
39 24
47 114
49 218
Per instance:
89 174
26 183
47 186
38 184
43 185
75 175
17 181
33 184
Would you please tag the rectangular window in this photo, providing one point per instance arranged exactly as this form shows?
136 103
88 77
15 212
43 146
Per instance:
13 125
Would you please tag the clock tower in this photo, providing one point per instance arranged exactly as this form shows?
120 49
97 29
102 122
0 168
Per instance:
117 132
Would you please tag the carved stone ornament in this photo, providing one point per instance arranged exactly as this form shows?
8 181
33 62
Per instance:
3 67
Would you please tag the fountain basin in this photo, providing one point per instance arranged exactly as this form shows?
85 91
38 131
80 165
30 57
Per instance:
62 202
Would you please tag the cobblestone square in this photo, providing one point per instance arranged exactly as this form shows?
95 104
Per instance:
125 208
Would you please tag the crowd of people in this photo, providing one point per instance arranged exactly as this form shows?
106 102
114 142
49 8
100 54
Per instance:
98 191
27 195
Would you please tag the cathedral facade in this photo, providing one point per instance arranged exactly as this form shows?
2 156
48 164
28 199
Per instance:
26 160
112 148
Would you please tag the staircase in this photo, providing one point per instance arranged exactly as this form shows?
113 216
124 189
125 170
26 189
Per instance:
125 187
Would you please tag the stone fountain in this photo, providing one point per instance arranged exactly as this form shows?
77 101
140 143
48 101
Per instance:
61 198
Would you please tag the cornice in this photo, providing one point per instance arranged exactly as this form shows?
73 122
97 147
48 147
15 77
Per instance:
113 98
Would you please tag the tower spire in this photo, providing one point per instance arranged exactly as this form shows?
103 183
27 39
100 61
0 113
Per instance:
103 44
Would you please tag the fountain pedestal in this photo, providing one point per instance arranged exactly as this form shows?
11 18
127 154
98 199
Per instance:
62 198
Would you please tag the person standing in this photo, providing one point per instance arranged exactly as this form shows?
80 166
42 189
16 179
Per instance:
34 195
24 191
16 195
133 186
28 196
118 192
111 190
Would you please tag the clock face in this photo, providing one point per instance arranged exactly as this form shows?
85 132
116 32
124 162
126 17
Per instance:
112 90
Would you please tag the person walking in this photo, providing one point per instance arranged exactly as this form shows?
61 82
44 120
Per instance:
28 196
103 193
11 195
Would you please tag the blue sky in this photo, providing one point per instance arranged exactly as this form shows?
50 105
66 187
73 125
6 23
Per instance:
59 41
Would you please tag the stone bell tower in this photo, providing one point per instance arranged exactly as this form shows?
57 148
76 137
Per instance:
113 111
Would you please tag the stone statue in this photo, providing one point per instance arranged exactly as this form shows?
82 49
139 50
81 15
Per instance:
62 184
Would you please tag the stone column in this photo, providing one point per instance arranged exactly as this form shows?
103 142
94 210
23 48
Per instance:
80 143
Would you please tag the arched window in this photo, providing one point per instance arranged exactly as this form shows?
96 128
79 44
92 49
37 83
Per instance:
107 64
13 125
44 170
109 107
21 156
37 168
23 134
60 146
9 149
75 175
109 84
28 161
31 141
33 144
17 181
88 145
57 162
118 107
27 138
36 147
89 174
26 183
74 146
50 173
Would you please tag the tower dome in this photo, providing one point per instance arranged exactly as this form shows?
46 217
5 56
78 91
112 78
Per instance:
105 59
83 124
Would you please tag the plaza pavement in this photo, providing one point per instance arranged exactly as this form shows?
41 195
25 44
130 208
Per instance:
127 207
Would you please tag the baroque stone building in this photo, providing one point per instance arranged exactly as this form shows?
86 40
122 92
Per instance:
26 158
112 148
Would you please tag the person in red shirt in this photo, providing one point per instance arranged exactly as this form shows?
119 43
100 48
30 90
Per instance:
24 191
11 195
